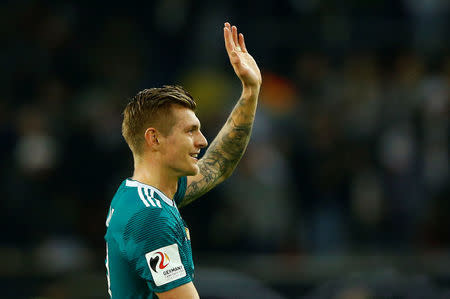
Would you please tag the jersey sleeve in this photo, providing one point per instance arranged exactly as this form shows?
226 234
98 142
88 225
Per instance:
179 195
154 247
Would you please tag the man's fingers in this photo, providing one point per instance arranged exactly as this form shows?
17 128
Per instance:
235 36
242 43
229 44
228 35
234 42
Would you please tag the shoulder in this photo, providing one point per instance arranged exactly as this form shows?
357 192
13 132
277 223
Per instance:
145 222
138 230
149 229
133 196
130 203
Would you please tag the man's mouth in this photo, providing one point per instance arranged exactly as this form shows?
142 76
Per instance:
195 156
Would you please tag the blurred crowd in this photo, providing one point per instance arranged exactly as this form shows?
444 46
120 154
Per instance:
350 148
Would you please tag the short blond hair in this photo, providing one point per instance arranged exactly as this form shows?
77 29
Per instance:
152 108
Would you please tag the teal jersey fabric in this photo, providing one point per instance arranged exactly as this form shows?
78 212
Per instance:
148 247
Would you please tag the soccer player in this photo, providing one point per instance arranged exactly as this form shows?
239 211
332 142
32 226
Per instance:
148 247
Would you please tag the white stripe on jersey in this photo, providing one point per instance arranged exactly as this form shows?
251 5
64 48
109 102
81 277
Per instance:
152 196
148 197
142 197
111 212
131 183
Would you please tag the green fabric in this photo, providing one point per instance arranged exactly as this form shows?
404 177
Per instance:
141 220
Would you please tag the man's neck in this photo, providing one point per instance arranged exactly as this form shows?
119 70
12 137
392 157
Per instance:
149 174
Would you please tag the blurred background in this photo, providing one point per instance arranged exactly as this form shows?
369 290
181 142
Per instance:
343 191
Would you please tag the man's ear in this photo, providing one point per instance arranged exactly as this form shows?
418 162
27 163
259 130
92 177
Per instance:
151 137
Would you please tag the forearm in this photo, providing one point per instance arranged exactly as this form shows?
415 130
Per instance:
226 149
229 145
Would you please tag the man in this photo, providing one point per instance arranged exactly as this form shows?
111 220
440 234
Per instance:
148 250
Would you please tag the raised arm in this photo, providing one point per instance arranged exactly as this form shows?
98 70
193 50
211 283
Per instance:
229 145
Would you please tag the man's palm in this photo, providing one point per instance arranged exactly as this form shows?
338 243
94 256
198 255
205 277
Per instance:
243 63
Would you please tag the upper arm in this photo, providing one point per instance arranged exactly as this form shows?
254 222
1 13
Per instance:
158 251
185 291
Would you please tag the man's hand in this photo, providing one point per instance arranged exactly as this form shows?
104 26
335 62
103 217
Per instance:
243 63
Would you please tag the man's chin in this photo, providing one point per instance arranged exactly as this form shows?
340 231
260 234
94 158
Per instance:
195 170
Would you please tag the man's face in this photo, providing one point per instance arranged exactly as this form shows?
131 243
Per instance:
182 146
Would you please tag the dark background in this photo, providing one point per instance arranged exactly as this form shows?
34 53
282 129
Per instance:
343 191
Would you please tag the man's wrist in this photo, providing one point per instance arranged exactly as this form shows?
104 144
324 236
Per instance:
249 91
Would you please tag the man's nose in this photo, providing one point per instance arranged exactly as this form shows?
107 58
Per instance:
202 141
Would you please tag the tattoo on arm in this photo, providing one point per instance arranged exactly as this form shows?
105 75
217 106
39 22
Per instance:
223 154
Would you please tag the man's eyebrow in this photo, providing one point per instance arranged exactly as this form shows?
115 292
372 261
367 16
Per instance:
195 126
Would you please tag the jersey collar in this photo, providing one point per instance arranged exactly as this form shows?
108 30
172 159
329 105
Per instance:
134 183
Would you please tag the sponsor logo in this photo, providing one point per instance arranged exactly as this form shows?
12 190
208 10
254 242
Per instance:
165 264
167 272
160 261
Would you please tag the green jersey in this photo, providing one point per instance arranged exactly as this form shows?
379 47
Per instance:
148 247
